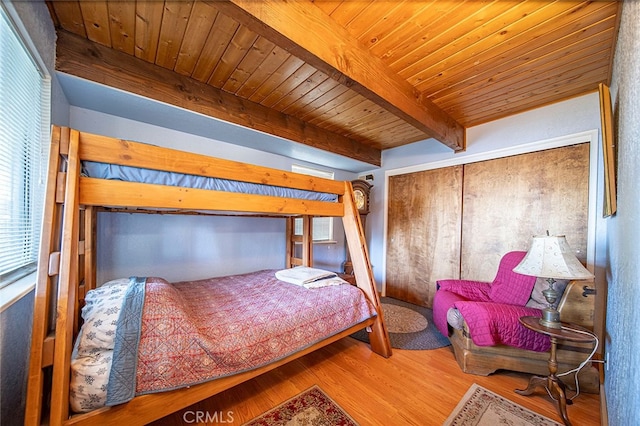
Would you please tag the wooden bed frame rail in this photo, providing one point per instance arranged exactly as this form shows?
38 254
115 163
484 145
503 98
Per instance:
67 260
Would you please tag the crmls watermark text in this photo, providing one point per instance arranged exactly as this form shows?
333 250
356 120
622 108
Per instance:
207 417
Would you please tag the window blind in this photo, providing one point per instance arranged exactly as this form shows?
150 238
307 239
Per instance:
322 227
24 134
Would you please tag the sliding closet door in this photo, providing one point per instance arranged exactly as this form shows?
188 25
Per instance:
423 232
508 200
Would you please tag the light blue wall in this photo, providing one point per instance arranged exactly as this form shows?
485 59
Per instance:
622 376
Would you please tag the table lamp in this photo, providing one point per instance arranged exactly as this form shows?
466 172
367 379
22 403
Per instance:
550 257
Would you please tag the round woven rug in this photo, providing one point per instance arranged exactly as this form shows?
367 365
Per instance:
410 326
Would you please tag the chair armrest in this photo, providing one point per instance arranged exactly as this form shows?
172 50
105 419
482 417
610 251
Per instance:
467 289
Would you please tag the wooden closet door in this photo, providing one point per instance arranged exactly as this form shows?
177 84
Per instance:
508 200
423 232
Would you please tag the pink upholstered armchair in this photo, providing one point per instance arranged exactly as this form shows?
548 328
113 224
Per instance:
491 310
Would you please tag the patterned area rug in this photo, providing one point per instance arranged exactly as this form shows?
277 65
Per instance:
481 407
410 326
311 407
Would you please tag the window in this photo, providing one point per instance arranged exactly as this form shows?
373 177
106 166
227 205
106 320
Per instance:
322 226
24 136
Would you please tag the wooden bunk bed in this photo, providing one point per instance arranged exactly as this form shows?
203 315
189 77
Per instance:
67 260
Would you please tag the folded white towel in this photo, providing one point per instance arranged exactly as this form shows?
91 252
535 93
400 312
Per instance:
309 277
324 282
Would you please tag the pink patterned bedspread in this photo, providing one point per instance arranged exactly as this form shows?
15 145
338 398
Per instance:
195 331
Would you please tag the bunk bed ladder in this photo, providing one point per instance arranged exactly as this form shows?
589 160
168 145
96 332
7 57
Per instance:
357 244
42 339
66 321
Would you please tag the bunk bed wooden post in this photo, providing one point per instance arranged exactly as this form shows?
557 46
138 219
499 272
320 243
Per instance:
90 260
41 355
290 242
67 291
357 244
305 241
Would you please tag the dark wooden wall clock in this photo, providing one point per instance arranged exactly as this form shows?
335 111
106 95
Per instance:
361 191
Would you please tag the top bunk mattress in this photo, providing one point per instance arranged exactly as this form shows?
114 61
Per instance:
158 177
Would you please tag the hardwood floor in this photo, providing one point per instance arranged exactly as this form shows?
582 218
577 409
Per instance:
410 388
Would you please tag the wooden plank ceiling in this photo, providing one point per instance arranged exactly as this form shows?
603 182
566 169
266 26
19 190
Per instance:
352 77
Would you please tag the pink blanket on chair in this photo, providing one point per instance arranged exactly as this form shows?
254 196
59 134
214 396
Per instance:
497 323
492 310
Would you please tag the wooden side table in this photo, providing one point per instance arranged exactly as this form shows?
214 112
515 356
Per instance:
554 386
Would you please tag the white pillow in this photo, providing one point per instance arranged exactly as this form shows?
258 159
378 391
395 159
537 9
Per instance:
89 378
100 315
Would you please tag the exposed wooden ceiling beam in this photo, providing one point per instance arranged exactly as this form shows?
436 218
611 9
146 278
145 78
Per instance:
91 61
304 30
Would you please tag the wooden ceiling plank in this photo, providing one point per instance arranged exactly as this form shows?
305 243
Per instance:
288 67
310 109
442 24
381 122
502 111
392 21
305 101
384 126
341 104
445 32
408 135
385 123
534 73
554 46
91 61
96 21
242 40
491 33
122 22
196 34
310 85
69 16
519 35
219 38
290 84
327 6
259 51
578 24
353 117
373 13
547 87
348 10
585 47
332 50
547 83
174 24
274 60
148 18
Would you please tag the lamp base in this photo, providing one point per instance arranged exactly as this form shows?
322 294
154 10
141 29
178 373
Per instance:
550 318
